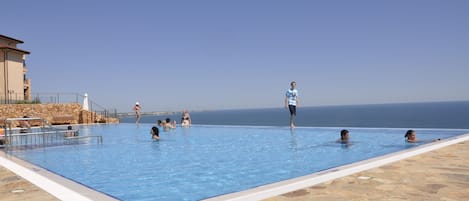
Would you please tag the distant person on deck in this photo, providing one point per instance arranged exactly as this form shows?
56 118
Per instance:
155 133
137 110
186 119
291 102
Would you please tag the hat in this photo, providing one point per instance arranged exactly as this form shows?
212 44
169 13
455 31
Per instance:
137 103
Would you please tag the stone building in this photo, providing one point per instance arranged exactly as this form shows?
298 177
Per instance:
14 85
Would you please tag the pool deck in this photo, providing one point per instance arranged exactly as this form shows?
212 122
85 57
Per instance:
14 187
441 174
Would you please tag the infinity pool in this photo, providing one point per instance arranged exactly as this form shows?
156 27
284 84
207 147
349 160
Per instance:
205 161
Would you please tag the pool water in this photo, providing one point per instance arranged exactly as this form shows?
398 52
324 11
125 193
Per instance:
205 161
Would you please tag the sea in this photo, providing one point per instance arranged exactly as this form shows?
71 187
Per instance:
399 115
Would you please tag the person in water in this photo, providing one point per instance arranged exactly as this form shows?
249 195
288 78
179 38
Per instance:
160 123
411 137
168 124
155 133
344 137
71 132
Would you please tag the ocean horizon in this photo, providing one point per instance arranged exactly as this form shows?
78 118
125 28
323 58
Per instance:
454 114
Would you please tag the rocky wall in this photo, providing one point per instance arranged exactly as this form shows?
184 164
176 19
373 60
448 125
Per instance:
70 113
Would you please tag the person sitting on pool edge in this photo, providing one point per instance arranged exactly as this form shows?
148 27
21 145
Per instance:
155 133
344 137
412 138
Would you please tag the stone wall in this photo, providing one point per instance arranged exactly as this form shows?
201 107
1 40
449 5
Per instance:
70 113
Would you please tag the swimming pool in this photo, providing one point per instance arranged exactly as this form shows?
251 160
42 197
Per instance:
205 161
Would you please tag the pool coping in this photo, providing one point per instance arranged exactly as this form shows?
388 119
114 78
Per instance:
290 185
54 184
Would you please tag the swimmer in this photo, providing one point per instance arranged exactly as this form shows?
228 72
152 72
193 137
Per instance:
411 137
169 124
344 137
155 133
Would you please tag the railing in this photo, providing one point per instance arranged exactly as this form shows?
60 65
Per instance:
42 136
56 98
99 138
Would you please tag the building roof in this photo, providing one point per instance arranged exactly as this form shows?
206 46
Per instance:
4 47
10 38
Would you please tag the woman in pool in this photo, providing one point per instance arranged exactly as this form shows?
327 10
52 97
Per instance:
160 123
186 119
155 133
412 138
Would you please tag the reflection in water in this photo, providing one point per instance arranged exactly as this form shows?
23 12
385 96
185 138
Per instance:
293 144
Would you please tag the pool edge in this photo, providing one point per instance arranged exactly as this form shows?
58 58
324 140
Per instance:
52 183
290 185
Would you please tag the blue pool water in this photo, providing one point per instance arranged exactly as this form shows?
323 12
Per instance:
205 161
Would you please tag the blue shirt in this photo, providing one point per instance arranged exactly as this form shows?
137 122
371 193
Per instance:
292 95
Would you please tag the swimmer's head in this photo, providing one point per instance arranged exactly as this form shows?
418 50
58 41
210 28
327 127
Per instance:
155 131
344 134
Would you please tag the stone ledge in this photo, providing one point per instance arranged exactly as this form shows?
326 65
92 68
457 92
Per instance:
67 113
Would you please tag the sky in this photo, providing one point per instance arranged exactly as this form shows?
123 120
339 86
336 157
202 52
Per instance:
210 55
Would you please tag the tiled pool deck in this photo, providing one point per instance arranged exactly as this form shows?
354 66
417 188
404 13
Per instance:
13 187
441 174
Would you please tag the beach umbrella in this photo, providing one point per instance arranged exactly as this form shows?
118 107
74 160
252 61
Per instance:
85 102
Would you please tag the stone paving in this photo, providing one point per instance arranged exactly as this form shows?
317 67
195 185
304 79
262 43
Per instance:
442 174
13 187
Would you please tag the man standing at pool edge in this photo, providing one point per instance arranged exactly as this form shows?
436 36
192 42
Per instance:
291 102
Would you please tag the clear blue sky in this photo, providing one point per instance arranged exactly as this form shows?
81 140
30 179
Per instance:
170 55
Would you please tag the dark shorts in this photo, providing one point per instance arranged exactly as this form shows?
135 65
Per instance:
292 109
